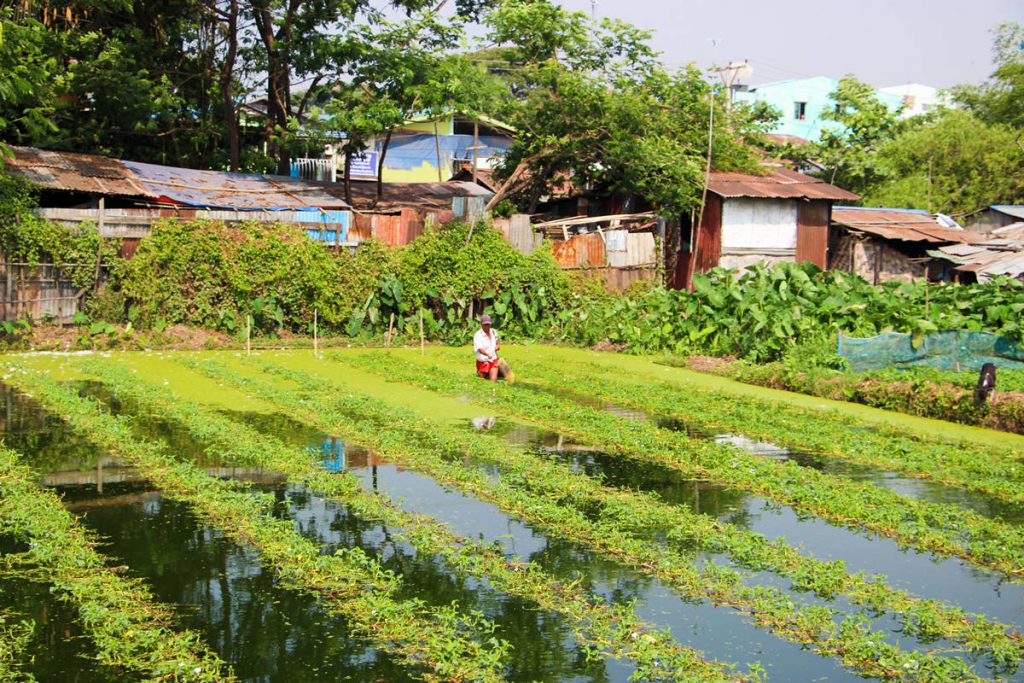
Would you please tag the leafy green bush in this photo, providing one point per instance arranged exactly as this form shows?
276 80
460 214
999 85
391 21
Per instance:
449 274
212 275
27 238
767 313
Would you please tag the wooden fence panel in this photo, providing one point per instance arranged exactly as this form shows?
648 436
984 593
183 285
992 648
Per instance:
42 292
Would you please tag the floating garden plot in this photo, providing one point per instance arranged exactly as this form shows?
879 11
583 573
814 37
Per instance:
553 538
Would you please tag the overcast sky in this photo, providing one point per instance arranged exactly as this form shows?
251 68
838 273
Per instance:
884 42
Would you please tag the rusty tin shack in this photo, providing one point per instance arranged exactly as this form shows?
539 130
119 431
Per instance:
780 216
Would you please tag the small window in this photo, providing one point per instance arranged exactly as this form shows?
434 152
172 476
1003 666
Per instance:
799 111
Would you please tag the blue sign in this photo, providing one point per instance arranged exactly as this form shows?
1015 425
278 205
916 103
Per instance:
364 165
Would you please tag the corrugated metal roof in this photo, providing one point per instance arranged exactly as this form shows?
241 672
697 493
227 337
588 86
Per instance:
436 196
99 175
784 138
1015 210
781 183
72 172
242 191
1012 231
901 224
990 258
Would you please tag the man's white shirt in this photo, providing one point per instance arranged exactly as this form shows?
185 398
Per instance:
485 347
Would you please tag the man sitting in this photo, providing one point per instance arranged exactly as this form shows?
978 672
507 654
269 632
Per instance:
486 345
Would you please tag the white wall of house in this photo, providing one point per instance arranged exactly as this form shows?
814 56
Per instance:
759 223
917 98
755 230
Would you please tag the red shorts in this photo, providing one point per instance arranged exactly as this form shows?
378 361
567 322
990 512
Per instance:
483 367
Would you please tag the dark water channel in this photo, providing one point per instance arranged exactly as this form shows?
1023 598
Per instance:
266 632
922 574
918 489
57 650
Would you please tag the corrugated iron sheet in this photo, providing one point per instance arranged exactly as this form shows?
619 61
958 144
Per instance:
899 224
74 172
781 183
987 259
1017 211
579 251
214 189
242 191
812 233
521 234
423 196
638 250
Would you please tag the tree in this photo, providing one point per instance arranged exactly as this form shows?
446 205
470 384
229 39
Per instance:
591 104
952 162
401 71
999 99
114 77
847 153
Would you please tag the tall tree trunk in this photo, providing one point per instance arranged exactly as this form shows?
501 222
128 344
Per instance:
278 69
227 76
380 167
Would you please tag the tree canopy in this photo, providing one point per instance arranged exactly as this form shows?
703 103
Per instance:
590 101
593 107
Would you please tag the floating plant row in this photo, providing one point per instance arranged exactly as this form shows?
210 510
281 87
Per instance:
942 529
129 628
602 628
442 642
986 471
398 435
638 512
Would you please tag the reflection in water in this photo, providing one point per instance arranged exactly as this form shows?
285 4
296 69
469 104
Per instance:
267 633
951 580
721 633
58 650
987 506
271 634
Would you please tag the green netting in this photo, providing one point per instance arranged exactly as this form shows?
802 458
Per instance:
960 350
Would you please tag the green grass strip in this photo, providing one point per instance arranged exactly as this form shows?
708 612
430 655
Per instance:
613 630
440 640
826 432
129 629
397 435
942 529
634 511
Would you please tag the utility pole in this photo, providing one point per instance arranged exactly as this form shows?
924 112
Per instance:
733 73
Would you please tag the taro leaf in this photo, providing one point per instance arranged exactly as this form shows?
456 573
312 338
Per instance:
355 323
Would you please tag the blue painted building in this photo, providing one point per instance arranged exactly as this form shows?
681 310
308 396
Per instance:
802 102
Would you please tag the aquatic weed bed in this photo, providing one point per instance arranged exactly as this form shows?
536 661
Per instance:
447 552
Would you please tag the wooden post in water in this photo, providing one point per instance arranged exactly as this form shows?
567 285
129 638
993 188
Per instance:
423 343
248 335
316 351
